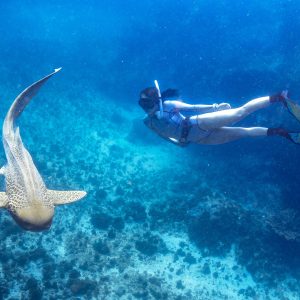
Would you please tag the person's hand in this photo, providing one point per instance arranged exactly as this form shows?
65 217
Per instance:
223 106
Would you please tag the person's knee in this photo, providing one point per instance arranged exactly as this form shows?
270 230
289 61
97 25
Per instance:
241 111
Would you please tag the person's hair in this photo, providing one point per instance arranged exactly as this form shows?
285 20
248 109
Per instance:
149 92
149 96
170 93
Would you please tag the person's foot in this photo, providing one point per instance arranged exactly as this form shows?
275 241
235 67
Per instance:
293 108
295 138
279 132
280 97
292 136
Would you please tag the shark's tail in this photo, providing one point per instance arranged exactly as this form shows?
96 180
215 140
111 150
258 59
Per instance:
21 101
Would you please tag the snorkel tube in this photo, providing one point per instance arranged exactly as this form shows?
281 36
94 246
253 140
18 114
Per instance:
160 100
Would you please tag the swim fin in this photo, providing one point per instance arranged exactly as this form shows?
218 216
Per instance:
293 108
292 136
295 137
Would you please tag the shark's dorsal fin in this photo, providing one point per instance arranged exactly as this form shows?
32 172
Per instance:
3 200
65 197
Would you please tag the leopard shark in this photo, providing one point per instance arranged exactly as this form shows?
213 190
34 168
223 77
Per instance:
26 196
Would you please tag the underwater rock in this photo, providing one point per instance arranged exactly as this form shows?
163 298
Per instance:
101 247
120 291
267 246
143 286
101 220
82 286
48 272
33 256
157 212
111 234
74 274
217 228
163 213
4 290
178 212
34 290
268 259
118 223
179 285
206 269
135 211
9 228
150 244
100 193
249 292
190 259
286 224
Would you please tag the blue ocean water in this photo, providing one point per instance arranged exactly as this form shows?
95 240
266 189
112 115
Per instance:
159 221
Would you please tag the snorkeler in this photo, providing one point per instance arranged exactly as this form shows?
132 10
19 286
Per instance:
182 123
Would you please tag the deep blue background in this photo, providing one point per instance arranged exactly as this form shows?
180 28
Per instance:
213 51
222 49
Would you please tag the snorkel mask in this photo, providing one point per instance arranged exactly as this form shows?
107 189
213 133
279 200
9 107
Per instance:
151 97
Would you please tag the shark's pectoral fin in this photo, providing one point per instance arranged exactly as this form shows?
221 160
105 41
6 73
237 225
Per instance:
3 200
65 197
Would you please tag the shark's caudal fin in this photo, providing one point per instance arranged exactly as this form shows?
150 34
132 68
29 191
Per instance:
65 197
22 100
3 200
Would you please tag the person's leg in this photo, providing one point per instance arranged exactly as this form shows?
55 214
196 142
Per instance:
223 118
228 134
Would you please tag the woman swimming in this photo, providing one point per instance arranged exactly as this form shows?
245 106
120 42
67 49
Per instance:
182 123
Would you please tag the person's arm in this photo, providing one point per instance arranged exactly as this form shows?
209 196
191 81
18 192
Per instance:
197 108
173 141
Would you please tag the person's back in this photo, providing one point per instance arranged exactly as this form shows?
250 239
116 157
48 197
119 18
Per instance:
169 125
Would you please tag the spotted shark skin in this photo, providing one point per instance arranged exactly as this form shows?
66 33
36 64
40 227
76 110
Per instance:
26 197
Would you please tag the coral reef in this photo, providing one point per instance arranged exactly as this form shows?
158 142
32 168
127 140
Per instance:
155 224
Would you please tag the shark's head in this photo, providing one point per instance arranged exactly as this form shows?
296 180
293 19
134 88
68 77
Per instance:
35 217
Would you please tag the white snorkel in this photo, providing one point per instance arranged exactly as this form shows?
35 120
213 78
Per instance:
161 112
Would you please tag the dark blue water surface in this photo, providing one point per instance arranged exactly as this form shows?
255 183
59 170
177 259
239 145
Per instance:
159 222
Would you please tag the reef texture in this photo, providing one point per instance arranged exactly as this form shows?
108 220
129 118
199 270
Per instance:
159 222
